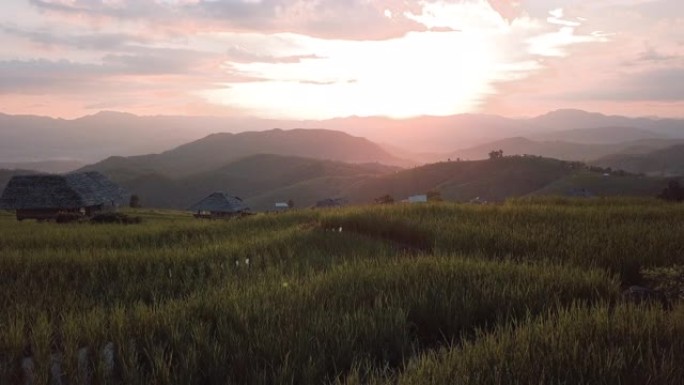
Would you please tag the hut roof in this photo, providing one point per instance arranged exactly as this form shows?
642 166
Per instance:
69 191
220 202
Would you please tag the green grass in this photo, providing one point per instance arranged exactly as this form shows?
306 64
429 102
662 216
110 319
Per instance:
578 345
405 293
619 235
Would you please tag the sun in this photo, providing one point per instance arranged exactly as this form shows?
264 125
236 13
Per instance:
426 73
443 70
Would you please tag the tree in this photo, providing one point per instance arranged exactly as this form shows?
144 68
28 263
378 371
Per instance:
290 203
385 200
673 192
496 154
134 202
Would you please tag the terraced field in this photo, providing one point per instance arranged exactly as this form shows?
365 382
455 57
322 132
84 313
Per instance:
529 291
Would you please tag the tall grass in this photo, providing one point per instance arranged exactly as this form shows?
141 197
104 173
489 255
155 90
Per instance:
579 345
398 293
620 235
313 329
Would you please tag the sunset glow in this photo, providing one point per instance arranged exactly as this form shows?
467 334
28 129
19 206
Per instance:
326 59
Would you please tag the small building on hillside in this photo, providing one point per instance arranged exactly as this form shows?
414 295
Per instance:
47 196
330 202
281 206
220 205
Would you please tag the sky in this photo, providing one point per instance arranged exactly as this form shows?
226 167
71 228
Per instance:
321 59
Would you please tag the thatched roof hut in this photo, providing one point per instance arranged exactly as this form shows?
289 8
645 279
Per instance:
43 196
219 204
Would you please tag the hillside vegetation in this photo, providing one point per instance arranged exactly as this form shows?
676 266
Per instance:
565 149
217 150
262 180
663 162
433 293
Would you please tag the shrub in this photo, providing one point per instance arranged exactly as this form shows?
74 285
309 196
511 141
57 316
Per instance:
673 192
135 201
621 345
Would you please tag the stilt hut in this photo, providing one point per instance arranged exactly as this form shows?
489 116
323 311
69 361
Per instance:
46 196
220 205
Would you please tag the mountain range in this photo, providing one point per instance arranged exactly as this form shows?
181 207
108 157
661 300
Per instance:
668 161
424 139
306 165
217 150
587 152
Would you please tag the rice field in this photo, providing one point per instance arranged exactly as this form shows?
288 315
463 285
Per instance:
529 291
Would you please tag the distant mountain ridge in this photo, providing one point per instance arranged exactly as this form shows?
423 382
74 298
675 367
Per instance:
600 135
48 166
96 137
564 150
217 150
662 162
569 119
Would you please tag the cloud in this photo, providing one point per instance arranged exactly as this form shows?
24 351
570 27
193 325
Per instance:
84 41
120 73
508 9
506 52
341 19
636 71
238 54
38 76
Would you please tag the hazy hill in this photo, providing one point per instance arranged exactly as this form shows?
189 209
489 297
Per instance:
443 134
261 180
49 166
599 135
664 162
522 146
431 133
600 184
95 137
568 119
463 181
216 150
564 150
498 179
